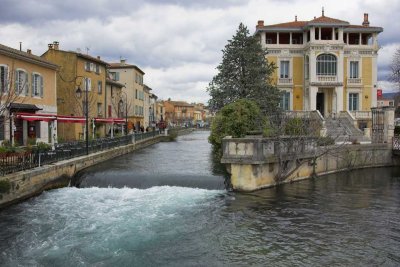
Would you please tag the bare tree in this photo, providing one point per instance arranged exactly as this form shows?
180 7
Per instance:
395 69
297 141
13 84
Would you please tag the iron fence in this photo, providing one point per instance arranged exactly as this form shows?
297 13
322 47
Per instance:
14 162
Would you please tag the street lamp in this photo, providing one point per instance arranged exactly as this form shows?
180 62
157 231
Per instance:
126 111
78 93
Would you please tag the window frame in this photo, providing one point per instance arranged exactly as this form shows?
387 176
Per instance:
35 86
326 64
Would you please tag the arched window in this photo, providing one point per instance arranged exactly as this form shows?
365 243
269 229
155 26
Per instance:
326 64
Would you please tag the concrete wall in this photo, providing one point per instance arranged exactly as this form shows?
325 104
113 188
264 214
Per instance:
32 182
253 163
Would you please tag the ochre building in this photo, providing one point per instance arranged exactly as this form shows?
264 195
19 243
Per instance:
324 64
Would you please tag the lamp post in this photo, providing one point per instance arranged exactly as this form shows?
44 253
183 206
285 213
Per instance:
126 112
78 93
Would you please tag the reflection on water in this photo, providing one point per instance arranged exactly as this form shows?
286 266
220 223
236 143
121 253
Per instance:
187 162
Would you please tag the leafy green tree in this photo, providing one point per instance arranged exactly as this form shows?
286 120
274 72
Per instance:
236 120
244 74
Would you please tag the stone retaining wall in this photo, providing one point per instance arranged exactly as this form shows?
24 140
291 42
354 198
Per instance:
253 165
32 182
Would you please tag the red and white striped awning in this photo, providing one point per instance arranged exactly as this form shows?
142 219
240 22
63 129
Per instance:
36 117
64 119
109 120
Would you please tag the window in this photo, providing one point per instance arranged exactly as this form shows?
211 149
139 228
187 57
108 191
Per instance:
21 82
354 69
3 78
136 94
37 84
285 101
88 84
99 87
353 101
97 68
87 66
284 69
99 109
306 67
326 65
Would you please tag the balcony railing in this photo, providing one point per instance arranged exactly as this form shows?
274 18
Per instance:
326 78
285 81
354 81
361 114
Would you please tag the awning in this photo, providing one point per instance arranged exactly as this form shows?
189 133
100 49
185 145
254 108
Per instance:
64 119
35 117
109 120
70 119
22 107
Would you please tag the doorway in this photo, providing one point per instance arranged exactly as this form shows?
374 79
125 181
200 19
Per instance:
321 103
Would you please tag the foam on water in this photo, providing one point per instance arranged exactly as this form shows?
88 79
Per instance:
94 225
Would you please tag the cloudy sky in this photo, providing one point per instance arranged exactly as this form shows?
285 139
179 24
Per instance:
176 42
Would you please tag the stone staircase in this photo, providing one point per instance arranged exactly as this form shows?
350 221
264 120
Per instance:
343 130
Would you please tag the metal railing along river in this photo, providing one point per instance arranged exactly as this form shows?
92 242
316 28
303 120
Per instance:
19 161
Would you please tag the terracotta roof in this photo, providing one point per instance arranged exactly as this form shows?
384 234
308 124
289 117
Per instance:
316 21
11 52
180 103
327 20
95 59
292 24
124 66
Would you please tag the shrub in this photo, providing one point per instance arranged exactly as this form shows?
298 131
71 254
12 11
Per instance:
236 120
5 186
41 146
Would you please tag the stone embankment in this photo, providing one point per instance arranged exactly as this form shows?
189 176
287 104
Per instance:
255 163
28 183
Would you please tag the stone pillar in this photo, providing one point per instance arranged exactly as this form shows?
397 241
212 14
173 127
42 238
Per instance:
388 127
290 41
277 38
313 97
312 34
263 39
341 35
339 99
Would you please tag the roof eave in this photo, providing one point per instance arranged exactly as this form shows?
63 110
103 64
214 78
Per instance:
366 29
29 59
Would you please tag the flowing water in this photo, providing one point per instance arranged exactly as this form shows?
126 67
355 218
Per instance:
166 205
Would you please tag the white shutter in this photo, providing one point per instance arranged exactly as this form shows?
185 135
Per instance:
41 85
26 86
89 84
91 67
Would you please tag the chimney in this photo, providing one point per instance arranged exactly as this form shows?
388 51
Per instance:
29 51
50 46
323 12
56 45
295 18
365 22
123 61
98 57
260 23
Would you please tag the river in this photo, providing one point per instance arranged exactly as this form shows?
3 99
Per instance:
166 205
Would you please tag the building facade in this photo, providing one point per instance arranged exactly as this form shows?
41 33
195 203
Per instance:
131 77
179 113
87 73
324 64
27 86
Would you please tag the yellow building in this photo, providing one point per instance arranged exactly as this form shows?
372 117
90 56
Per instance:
131 77
116 105
82 71
27 85
324 64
